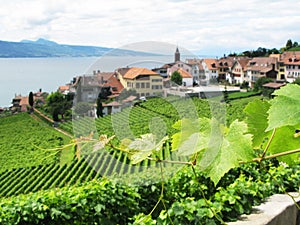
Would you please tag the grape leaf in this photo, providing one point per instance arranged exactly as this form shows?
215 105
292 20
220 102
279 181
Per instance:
285 107
284 140
226 149
193 136
143 147
186 128
256 112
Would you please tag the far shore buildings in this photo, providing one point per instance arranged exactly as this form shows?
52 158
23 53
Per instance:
21 103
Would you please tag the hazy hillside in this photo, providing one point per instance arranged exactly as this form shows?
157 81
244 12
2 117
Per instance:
46 48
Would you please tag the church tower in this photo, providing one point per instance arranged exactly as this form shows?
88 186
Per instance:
177 55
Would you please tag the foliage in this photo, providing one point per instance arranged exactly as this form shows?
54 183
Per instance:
24 140
215 185
297 81
225 95
30 99
99 108
58 104
176 78
260 82
102 202
236 194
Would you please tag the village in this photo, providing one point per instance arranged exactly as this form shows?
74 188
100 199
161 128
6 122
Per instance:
203 78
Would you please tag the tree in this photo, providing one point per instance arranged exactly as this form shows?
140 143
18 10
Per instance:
99 108
58 104
297 81
176 78
295 44
260 82
30 100
225 95
289 44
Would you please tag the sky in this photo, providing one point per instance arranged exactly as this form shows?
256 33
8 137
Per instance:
205 27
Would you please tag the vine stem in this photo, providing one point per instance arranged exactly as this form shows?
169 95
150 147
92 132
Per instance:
206 201
273 156
268 144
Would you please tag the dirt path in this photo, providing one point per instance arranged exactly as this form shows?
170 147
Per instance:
51 121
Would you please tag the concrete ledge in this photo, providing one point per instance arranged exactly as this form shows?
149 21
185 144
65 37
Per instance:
278 209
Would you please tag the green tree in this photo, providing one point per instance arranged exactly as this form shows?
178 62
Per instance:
57 104
225 95
99 108
258 86
30 101
176 78
297 81
289 44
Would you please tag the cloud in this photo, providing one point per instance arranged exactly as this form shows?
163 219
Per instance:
196 25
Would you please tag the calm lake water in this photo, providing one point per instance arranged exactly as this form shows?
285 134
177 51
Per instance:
22 75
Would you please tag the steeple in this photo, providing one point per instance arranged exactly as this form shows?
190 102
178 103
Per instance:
177 55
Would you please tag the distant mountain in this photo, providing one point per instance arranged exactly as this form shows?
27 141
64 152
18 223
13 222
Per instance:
46 48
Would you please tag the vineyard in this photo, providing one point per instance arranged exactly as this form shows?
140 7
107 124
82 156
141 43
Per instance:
33 162
44 172
23 141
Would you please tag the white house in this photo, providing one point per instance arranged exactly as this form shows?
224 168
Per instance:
210 69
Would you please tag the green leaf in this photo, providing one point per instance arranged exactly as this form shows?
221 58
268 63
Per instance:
193 136
143 147
284 140
285 107
186 128
256 112
227 148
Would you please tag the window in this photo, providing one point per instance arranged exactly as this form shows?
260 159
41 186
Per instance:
137 85
147 85
143 85
155 87
157 80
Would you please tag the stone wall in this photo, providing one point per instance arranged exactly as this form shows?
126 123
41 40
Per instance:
279 209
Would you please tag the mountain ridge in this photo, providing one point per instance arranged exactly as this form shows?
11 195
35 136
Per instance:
45 48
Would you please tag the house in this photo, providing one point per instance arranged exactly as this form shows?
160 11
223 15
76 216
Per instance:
87 88
269 88
210 70
21 103
237 75
146 82
111 108
289 66
65 89
187 78
167 69
224 67
197 70
261 67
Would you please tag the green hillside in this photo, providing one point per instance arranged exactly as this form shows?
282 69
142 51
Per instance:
36 188
23 141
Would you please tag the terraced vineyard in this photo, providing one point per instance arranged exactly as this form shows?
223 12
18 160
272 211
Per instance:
23 141
92 166
44 173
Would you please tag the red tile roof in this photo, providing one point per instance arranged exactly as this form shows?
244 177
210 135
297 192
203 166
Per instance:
273 85
211 63
134 72
290 58
184 74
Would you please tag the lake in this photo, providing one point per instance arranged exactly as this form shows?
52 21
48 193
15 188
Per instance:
22 75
